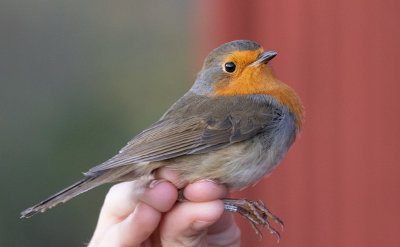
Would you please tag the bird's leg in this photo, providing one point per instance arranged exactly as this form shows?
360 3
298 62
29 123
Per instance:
255 212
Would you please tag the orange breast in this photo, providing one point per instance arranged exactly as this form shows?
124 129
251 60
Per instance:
260 80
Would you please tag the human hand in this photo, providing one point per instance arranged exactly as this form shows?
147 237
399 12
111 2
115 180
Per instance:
152 217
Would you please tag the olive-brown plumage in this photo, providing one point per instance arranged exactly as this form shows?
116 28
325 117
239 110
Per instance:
234 125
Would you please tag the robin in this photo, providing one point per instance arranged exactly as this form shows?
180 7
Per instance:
233 126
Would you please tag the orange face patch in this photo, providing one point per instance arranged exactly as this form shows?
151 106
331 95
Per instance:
243 58
247 80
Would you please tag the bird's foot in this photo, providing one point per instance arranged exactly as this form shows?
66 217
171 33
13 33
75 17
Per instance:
255 212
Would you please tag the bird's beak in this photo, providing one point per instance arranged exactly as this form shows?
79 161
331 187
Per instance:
263 58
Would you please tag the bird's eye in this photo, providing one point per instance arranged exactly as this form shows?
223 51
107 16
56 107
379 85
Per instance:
230 67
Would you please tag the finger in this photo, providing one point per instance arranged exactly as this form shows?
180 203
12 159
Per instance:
120 202
132 231
186 224
205 190
225 232
161 197
123 198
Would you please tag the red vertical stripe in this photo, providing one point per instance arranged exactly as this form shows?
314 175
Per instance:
340 183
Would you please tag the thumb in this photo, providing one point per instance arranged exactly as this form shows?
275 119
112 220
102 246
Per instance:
188 222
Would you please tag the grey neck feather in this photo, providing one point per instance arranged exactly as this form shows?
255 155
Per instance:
203 83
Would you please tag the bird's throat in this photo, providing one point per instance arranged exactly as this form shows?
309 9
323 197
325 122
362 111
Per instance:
262 81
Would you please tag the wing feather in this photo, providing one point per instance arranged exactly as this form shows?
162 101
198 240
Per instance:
185 133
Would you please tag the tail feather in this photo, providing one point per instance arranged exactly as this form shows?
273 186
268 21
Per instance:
62 196
89 182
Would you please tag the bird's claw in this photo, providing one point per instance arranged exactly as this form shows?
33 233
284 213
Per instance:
255 212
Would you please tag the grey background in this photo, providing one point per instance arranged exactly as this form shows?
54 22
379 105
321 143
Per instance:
78 79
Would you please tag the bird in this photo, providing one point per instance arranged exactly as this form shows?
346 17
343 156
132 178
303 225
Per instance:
234 125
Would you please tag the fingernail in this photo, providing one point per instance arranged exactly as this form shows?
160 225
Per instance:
155 182
200 225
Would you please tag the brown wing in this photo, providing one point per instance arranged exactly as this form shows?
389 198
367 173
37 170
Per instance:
200 126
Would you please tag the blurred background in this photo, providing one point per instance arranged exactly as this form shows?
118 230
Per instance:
79 79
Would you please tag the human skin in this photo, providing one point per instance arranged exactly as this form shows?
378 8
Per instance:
152 217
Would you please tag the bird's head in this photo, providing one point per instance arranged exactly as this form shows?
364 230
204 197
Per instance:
240 68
